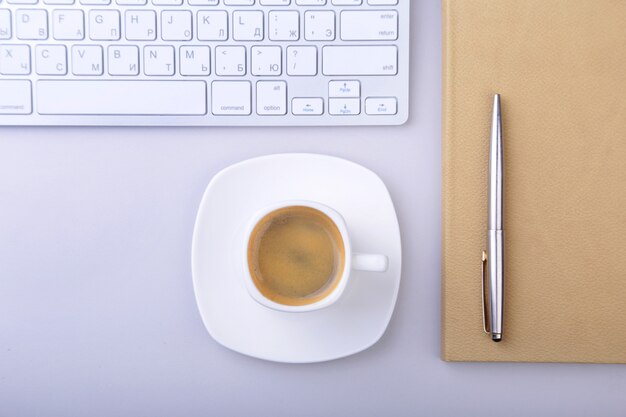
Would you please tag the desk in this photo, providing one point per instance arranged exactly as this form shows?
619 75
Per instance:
97 311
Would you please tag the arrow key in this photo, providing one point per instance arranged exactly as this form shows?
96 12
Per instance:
313 106
381 105
344 88
344 106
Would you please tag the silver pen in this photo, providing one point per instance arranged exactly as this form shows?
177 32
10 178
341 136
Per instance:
494 258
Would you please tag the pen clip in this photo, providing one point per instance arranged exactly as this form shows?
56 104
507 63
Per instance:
486 324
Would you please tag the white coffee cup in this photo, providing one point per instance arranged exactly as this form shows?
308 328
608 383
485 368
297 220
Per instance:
352 261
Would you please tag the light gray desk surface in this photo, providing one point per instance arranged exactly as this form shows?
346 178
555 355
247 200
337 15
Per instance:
97 312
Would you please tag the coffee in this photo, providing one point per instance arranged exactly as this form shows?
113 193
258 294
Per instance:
296 255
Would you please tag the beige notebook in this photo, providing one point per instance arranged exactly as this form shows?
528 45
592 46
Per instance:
560 67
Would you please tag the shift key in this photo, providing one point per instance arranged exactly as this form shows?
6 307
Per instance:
360 60
15 97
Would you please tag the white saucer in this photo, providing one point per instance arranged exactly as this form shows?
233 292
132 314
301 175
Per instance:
356 321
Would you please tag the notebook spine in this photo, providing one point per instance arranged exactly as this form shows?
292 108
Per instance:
446 166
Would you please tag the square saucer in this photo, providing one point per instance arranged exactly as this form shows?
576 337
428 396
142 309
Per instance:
234 319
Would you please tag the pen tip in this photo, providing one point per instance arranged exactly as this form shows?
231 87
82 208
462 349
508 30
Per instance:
496 337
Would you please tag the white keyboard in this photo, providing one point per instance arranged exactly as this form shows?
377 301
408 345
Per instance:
204 62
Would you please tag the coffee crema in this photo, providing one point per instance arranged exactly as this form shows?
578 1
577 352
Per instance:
296 255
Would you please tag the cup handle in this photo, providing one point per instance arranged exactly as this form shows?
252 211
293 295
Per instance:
369 262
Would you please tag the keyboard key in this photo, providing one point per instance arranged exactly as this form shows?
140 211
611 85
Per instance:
51 59
381 105
87 60
22 1
68 25
319 26
266 60
176 25
104 25
239 2
231 98
275 2
360 60
344 106
158 60
311 2
96 2
123 60
195 60
131 2
61 2
212 26
369 25
230 60
284 25
271 98
307 106
248 26
140 25
344 89
382 2
167 2
203 2
302 60
31 24
347 2
15 97
14 59
5 24
106 97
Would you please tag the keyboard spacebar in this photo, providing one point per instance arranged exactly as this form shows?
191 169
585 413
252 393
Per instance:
121 97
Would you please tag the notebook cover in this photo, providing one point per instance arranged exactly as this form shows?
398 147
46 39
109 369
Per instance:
561 69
